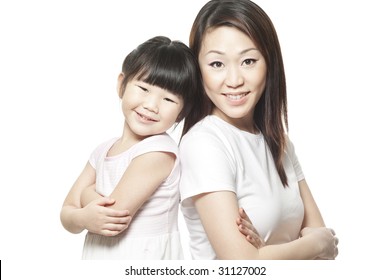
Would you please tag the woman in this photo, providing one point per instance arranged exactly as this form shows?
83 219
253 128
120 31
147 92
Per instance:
236 153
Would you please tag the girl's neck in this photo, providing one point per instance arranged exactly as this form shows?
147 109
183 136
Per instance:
125 142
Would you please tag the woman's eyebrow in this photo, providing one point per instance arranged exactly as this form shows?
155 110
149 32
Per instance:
222 53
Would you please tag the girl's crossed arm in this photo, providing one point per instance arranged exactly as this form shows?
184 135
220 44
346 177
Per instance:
143 176
105 215
95 216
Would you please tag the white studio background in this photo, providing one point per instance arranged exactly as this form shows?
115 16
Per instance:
59 61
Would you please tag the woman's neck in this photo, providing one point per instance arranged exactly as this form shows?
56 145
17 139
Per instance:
246 123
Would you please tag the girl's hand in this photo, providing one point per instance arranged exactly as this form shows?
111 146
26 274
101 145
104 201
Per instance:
247 229
325 239
102 220
89 194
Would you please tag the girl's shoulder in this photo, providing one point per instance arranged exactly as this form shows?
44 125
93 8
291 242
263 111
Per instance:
162 139
104 146
161 142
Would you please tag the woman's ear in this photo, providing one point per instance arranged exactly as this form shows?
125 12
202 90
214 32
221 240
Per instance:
119 85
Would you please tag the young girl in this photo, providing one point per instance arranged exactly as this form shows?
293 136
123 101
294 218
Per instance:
139 171
237 154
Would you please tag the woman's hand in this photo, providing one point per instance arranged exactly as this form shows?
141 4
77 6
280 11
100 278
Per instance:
325 239
247 229
102 220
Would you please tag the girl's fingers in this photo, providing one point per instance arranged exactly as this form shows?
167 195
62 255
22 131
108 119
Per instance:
117 213
113 229
107 232
118 221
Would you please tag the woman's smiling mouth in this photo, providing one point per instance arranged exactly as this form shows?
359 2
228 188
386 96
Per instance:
235 96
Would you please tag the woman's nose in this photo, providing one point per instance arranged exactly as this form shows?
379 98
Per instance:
234 77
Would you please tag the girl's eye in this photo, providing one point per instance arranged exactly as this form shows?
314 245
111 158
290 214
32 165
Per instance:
249 61
169 100
216 64
143 88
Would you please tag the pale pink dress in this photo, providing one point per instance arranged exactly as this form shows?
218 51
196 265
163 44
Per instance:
153 232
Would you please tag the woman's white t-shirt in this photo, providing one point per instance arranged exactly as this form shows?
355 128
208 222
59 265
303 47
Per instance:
216 156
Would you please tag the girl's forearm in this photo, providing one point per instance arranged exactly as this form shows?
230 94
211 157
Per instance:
71 219
88 195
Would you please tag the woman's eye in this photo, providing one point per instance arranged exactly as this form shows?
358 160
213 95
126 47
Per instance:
216 64
249 61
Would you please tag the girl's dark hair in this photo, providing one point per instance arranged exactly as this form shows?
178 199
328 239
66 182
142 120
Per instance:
271 111
167 64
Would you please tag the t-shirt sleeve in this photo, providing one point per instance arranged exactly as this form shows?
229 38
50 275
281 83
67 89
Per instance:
156 143
295 162
206 165
100 151
93 159
160 143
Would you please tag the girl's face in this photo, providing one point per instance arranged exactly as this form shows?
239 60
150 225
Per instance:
149 110
234 74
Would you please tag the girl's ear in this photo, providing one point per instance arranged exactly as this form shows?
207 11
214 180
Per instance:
119 85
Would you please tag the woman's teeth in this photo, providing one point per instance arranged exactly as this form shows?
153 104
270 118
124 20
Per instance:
236 96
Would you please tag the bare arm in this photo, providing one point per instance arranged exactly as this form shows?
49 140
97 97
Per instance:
95 217
141 179
71 218
218 212
89 194
312 216
313 219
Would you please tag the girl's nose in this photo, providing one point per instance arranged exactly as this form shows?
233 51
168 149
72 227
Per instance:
151 104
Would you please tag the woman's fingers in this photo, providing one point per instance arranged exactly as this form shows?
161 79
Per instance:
247 228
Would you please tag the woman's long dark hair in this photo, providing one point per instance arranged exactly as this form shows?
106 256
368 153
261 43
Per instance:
270 114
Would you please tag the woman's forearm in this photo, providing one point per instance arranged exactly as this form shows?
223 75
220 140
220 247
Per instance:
304 248
312 215
218 211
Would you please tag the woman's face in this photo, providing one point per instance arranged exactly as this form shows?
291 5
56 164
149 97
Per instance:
234 74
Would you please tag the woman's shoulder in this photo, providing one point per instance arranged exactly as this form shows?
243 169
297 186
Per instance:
207 127
209 137
204 130
289 147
